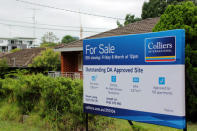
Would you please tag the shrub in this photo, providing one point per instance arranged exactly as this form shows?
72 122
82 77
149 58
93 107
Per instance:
184 16
55 101
15 50
10 112
48 59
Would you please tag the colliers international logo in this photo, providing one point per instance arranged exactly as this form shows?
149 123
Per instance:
162 49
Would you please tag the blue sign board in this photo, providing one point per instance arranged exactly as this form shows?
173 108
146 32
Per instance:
136 77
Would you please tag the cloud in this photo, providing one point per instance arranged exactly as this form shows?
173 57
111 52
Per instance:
13 10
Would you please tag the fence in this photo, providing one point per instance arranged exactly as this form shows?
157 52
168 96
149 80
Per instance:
72 75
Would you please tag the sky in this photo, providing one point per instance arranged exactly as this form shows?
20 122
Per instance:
17 16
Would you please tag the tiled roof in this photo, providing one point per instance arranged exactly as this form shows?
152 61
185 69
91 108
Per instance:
23 57
3 54
142 26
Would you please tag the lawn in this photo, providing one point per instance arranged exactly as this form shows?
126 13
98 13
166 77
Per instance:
119 125
13 126
123 125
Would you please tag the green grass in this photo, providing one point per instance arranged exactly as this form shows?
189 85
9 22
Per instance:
15 126
123 125
119 125
192 127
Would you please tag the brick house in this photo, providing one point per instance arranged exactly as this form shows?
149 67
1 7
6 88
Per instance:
71 54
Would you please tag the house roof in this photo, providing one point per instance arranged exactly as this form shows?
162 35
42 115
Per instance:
3 54
22 58
142 26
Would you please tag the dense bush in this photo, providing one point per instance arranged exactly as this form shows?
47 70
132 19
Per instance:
180 16
184 16
56 101
48 60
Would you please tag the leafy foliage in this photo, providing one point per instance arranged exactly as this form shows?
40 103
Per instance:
180 16
3 66
67 39
48 44
153 8
3 63
128 20
184 16
10 112
48 59
56 101
15 50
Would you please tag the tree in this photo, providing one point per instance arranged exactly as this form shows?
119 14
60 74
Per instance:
49 40
48 44
3 67
153 8
119 24
184 16
15 50
67 39
180 16
3 63
49 37
128 19
48 59
176 1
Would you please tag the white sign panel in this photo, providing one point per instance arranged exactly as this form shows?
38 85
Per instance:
136 77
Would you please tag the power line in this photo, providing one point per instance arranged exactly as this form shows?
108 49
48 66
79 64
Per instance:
46 28
68 10
49 24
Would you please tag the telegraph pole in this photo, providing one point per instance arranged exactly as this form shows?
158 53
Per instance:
34 20
81 28
10 31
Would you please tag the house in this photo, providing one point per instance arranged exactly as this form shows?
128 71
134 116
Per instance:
71 54
22 58
7 44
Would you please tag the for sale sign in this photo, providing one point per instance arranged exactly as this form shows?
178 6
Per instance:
136 77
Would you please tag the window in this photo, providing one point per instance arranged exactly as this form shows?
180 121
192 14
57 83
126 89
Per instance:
1 41
14 47
30 42
12 41
4 48
80 62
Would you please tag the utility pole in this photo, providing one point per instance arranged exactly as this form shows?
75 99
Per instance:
81 28
10 31
34 20
81 31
